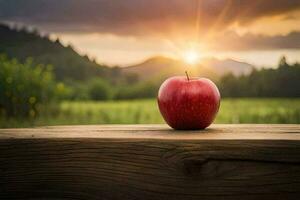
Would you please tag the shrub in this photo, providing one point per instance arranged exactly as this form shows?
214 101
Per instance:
25 87
142 90
99 89
78 90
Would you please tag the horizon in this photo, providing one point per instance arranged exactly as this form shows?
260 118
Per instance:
258 33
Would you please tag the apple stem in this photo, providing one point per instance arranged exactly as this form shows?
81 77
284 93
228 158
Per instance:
187 75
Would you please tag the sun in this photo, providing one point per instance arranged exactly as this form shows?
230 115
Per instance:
191 57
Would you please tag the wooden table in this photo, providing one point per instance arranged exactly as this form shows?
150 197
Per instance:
150 162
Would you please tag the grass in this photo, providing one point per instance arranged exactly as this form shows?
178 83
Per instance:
146 111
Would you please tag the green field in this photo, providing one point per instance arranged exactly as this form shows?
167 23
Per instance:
146 111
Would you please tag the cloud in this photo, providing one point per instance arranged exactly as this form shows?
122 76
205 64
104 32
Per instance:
233 42
162 18
140 17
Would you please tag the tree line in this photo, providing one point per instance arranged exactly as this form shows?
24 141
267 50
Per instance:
283 81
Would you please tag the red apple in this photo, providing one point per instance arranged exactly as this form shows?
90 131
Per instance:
188 103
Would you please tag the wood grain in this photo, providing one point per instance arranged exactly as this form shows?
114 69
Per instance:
150 162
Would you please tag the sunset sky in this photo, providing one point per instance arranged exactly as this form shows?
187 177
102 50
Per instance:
124 32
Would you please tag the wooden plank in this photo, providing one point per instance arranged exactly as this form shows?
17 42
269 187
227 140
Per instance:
160 132
150 162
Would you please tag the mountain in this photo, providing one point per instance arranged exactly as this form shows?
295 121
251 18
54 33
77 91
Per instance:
69 65
155 67
162 67
66 62
226 66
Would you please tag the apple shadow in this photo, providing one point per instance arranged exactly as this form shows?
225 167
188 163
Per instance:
200 131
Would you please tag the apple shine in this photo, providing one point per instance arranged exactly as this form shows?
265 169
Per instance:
188 104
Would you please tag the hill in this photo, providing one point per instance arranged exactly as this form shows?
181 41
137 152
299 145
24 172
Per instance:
66 62
162 67
222 67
